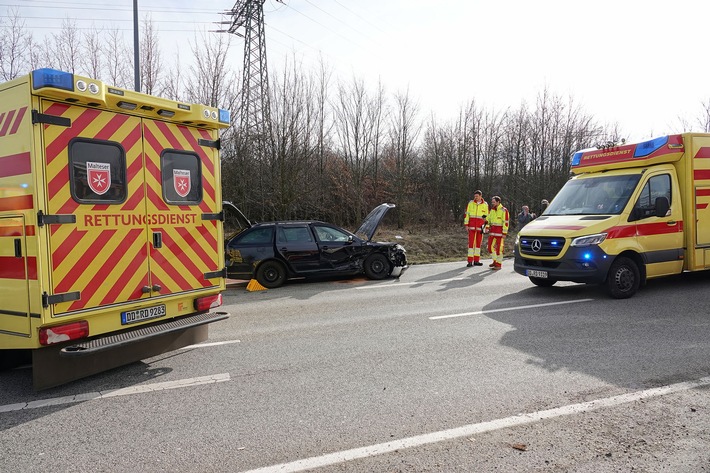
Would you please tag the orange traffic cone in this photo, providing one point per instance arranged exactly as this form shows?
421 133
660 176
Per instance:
255 286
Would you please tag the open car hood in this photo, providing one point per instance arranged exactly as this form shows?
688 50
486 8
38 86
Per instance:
234 220
372 221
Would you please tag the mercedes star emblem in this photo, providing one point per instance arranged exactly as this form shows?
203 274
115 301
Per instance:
536 245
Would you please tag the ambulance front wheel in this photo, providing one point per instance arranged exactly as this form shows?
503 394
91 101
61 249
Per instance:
624 278
271 274
542 282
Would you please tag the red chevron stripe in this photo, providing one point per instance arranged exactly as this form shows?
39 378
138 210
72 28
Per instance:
207 162
209 234
197 247
114 124
168 134
14 268
78 125
23 202
702 192
65 248
187 263
15 165
84 262
175 276
137 264
102 272
701 174
18 120
6 125
703 152
157 200
701 206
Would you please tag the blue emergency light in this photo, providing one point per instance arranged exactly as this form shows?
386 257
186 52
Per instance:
224 116
648 147
52 78
577 158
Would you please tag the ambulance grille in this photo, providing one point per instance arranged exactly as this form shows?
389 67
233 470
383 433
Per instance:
541 246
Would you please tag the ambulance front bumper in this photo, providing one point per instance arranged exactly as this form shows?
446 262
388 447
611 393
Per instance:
587 264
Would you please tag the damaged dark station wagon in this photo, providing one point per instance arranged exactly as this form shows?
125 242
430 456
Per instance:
272 252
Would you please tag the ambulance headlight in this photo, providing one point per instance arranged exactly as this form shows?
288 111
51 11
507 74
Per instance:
93 88
81 86
589 240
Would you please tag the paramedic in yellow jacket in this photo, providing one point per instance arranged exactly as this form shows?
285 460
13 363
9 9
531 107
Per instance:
497 225
474 221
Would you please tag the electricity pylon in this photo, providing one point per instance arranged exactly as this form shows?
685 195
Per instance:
255 112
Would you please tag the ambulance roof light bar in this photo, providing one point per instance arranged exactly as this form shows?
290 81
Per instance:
53 78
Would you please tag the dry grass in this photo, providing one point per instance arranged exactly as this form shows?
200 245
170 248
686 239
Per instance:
436 244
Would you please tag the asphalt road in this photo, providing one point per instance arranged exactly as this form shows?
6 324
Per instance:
446 369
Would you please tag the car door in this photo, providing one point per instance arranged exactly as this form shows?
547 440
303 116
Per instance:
339 250
247 249
297 246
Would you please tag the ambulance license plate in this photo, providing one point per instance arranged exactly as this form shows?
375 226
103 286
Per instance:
139 315
536 274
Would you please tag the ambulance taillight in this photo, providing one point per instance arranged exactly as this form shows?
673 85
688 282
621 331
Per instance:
63 333
207 303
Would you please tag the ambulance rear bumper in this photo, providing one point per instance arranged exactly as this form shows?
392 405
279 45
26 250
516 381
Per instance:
141 334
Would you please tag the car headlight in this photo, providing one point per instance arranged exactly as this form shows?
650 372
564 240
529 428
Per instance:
517 239
589 240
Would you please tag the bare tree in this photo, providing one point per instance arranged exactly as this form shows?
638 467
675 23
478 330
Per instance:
15 44
150 64
64 48
92 58
118 60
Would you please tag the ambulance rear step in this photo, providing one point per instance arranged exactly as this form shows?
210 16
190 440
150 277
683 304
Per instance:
56 365
143 333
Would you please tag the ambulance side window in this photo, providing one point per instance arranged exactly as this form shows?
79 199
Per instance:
182 177
657 186
97 171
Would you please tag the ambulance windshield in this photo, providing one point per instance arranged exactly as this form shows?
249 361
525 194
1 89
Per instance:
599 195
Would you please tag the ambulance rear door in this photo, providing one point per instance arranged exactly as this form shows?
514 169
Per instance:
183 201
95 207
15 274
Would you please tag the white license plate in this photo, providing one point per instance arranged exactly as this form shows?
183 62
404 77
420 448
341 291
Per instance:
139 315
536 274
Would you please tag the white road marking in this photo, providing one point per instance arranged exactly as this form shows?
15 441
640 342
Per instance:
522 307
211 344
399 283
473 429
144 388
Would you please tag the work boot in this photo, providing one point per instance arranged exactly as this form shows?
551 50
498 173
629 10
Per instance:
477 263
497 266
469 264
492 265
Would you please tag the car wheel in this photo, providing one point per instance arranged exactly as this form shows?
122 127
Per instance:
271 274
542 282
377 266
624 278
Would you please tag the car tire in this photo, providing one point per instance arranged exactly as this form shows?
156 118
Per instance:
541 282
377 266
271 274
624 278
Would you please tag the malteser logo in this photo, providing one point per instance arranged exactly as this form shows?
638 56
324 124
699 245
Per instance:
99 177
181 182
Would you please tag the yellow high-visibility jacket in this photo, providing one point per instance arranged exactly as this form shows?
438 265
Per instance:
498 221
476 214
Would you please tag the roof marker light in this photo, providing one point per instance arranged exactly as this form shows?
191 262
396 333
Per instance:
81 86
127 105
224 116
93 88
52 78
648 147
165 113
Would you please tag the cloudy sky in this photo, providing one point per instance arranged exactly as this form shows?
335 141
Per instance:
638 63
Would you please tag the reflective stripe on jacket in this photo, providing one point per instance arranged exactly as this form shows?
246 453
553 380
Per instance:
476 214
498 221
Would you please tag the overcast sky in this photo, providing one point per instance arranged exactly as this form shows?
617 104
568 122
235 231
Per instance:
638 63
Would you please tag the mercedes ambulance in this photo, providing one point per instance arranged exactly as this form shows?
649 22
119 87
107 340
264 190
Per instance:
111 240
629 213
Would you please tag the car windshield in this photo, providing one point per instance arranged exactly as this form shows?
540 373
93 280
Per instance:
607 195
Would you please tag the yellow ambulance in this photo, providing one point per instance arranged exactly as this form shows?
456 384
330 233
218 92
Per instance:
629 213
111 239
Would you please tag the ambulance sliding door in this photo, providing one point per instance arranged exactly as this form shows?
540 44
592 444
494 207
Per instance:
183 200
15 275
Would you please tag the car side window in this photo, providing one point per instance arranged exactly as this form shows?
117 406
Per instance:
330 234
263 236
292 234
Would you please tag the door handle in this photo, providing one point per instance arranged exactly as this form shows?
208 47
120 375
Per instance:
157 240
18 248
